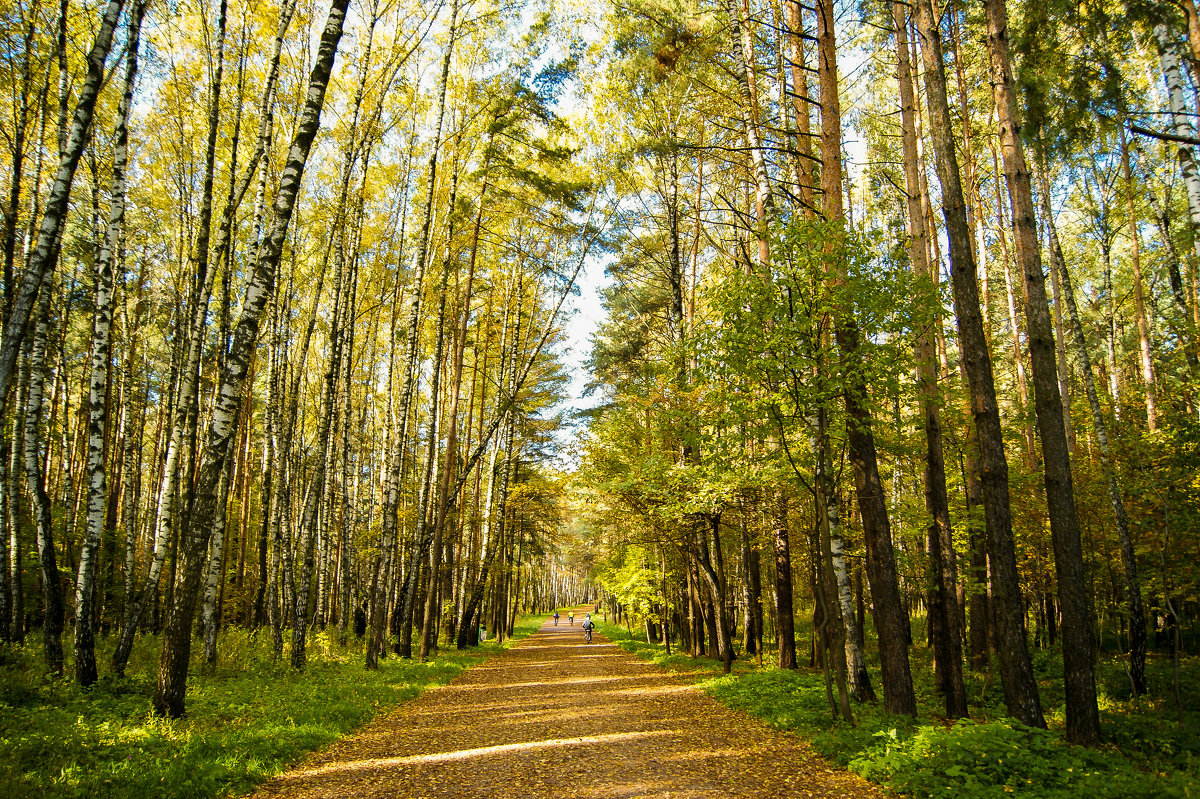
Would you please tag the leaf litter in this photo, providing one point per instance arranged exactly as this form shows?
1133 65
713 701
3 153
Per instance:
556 717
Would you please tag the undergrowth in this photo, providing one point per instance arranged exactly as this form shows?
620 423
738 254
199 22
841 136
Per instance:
248 720
1148 750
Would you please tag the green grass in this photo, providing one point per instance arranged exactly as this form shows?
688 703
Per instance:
1147 753
248 721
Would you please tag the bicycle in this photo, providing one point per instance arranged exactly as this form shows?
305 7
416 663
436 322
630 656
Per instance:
587 635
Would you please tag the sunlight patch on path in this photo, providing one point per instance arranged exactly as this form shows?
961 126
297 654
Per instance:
483 751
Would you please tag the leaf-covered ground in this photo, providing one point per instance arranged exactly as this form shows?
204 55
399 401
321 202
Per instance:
556 717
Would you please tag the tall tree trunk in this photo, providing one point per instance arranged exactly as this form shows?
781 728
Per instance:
1020 688
1185 325
943 596
111 255
187 391
837 637
1181 125
784 611
890 622
712 580
392 496
429 536
793 11
743 62
1139 301
44 256
173 664
52 591
1083 716
214 569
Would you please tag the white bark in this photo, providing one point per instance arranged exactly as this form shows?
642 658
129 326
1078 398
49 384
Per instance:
45 253
111 252
212 579
1181 124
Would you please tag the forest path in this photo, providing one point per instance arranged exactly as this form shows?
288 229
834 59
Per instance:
556 717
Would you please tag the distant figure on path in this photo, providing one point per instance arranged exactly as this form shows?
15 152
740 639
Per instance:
571 617
556 618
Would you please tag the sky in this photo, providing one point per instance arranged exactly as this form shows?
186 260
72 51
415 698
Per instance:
582 316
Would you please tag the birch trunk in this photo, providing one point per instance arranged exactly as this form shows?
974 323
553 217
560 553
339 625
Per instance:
391 498
1185 326
111 255
189 375
430 536
52 591
1181 125
173 664
44 256
838 614
211 608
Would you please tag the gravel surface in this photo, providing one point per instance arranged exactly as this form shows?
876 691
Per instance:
556 717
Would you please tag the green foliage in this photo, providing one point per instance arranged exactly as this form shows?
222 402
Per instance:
626 576
998 758
248 721
1147 753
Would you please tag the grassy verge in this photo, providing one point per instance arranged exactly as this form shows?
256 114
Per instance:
1148 752
247 721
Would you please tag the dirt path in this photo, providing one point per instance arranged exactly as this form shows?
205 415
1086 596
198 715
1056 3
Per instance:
555 717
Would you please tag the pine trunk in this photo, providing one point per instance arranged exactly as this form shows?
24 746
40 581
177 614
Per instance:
943 597
1083 717
1020 688
1133 589
890 621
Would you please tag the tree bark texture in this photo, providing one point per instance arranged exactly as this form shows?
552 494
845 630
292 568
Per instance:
1083 715
1020 688
44 256
890 621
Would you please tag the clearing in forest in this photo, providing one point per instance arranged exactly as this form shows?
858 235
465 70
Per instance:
556 717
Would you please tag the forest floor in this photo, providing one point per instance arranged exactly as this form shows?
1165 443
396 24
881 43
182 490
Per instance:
556 717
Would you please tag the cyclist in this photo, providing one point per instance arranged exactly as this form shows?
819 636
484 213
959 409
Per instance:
571 617
588 625
556 618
